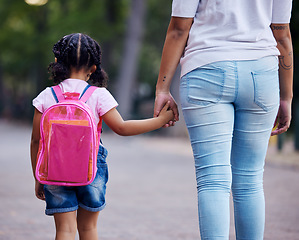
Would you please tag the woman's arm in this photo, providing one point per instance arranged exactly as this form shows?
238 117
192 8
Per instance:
282 35
174 45
133 127
35 136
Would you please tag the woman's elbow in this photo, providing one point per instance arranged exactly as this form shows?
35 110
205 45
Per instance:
285 41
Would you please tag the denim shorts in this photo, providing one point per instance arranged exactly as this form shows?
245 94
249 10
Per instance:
60 199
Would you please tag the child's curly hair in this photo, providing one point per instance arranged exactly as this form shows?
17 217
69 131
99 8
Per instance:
79 51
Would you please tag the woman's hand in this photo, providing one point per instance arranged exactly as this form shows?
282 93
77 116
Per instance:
39 190
174 46
160 101
283 119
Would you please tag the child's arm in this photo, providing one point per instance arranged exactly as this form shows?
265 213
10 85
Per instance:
134 127
39 192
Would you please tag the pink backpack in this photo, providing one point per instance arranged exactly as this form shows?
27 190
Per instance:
69 141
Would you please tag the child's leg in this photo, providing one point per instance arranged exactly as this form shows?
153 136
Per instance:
87 224
66 225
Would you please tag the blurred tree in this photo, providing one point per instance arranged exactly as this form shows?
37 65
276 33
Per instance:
1 90
155 27
29 32
295 36
157 20
17 57
128 67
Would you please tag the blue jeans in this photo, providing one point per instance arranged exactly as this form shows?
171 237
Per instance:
229 109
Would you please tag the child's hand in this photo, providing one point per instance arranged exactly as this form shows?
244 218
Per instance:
166 114
160 101
39 190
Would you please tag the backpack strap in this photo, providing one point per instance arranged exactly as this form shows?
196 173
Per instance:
57 93
87 93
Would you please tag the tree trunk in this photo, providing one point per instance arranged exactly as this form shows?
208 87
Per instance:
127 73
107 46
2 102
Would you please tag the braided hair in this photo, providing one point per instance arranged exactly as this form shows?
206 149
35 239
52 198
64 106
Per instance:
79 51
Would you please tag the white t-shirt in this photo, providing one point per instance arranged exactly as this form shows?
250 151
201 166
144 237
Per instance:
229 29
100 102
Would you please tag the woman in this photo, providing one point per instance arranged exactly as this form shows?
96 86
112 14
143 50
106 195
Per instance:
236 79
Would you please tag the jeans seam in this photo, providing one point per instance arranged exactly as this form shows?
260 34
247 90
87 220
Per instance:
236 82
255 98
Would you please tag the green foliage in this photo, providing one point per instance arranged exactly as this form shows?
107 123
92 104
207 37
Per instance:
29 32
295 26
157 20
295 36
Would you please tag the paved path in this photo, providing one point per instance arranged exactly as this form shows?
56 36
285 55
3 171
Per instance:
151 191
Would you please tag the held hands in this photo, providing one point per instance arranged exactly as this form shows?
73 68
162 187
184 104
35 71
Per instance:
39 190
166 114
165 100
283 119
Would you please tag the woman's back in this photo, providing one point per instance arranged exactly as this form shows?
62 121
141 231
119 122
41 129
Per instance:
234 30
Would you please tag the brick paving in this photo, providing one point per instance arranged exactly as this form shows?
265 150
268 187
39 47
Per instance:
151 191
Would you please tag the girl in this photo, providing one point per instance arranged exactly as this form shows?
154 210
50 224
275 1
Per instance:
77 60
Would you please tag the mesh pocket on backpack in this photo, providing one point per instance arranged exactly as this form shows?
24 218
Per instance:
69 149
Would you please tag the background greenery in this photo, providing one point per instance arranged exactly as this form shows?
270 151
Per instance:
29 32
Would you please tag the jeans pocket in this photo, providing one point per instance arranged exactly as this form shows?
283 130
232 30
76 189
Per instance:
266 89
102 155
205 85
103 172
